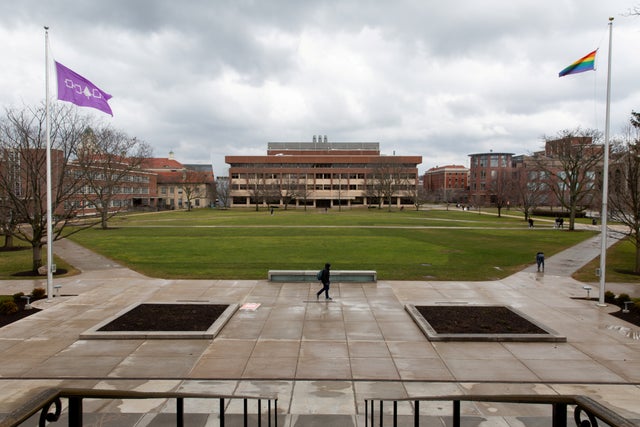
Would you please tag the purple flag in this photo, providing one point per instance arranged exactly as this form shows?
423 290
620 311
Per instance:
74 88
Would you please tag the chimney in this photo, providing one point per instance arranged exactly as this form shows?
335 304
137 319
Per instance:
171 155
325 139
314 139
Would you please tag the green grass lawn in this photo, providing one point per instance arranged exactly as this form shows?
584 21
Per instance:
620 263
400 245
19 261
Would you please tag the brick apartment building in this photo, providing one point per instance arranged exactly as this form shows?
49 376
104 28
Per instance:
322 174
179 185
487 171
447 183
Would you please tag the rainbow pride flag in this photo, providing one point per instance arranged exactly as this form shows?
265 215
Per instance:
583 64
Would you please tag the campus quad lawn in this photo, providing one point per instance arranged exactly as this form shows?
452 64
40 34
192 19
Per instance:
621 259
399 245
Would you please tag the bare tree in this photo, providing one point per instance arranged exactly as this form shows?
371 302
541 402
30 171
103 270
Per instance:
108 160
418 195
8 222
256 186
194 185
529 189
23 148
624 188
570 161
289 188
388 179
303 191
222 192
501 188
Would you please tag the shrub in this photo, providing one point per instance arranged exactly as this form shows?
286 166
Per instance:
609 297
622 298
38 293
17 296
8 307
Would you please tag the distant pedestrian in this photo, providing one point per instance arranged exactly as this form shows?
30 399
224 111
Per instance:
272 210
530 223
561 222
540 260
324 278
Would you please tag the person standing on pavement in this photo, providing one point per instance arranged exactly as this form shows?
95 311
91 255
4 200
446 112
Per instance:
540 260
324 278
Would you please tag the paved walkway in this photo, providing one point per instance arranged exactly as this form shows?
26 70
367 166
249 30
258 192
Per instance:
320 358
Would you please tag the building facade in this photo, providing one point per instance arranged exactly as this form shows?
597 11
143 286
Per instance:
447 183
322 174
181 186
489 177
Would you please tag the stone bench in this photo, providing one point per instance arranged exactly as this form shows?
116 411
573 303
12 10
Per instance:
361 276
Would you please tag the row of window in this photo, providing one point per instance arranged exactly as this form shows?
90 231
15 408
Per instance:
100 176
119 190
307 177
323 165
85 204
492 160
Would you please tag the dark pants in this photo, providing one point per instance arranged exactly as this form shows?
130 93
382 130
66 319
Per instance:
325 289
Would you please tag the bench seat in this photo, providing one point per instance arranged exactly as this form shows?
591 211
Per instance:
361 276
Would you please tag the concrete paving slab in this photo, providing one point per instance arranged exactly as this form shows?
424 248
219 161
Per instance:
325 358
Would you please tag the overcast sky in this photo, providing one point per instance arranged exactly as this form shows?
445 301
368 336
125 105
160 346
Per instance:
438 79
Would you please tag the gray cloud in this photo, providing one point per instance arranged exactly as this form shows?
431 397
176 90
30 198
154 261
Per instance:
441 80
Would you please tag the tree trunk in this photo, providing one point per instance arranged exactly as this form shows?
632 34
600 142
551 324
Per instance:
37 257
8 240
637 269
103 220
572 219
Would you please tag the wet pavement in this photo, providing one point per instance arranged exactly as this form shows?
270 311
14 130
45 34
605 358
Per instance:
322 359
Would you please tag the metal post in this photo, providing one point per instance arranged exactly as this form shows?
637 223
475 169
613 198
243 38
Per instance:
49 185
456 413
75 412
605 179
222 412
559 415
416 414
395 413
179 412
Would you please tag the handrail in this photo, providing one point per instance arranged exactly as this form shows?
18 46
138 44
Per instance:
591 408
42 401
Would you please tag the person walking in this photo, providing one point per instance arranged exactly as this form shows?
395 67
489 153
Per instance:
324 278
540 260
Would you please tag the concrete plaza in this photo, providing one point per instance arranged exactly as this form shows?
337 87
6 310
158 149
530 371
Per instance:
322 359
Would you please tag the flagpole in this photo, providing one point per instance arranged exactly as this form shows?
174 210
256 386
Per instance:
49 201
605 178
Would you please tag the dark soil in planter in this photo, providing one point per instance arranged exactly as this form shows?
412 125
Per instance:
476 320
6 319
167 317
31 273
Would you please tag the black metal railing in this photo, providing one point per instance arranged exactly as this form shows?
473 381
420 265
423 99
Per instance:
586 413
49 404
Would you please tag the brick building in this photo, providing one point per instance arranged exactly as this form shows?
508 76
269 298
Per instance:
488 174
181 186
322 174
447 183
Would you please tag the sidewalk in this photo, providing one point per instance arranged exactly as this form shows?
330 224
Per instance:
322 359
